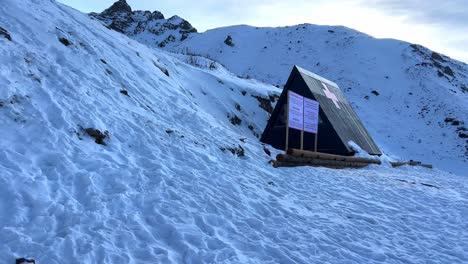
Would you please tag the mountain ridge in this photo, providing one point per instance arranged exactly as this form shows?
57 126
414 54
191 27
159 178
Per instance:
150 28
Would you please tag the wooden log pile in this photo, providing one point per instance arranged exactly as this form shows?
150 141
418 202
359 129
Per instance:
411 163
296 157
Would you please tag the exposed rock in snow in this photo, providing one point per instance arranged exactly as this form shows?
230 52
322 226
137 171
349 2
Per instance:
4 33
118 7
228 41
150 28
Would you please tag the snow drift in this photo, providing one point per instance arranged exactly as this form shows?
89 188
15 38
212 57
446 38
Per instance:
112 152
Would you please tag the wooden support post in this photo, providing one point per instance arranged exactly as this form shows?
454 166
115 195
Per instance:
316 140
302 131
287 122
316 132
302 139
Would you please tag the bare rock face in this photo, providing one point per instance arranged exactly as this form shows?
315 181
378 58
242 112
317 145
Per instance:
5 34
150 28
228 41
120 6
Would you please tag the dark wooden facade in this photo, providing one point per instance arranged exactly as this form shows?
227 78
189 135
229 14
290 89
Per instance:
338 123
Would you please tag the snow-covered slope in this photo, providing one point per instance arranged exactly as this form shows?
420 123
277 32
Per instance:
150 28
169 177
413 101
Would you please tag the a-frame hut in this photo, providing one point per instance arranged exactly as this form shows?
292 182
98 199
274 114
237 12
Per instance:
338 123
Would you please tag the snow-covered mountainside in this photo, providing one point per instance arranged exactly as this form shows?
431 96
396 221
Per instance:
414 101
150 28
114 152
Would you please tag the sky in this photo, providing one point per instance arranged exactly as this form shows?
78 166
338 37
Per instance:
439 25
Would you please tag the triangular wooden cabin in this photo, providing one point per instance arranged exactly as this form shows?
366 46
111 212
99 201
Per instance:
338 123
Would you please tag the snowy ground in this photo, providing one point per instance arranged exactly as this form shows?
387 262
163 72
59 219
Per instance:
162 190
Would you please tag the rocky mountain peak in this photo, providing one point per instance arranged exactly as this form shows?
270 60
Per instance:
120 6
150 28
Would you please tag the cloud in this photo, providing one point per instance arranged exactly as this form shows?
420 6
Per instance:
453 13
446 20
203 11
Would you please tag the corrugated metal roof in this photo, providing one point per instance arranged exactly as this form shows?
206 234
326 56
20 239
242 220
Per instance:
339 112
315 76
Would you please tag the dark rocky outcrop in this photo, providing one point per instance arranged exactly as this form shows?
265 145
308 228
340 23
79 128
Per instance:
448 71
124 92
238 151
464 88
437 56
4 33
65 41
266 103
444 66
120 6
228 41
97 135
161 68
24 260
120 17
267 151
235 120
169 39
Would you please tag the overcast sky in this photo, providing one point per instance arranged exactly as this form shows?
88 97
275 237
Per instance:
439 25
